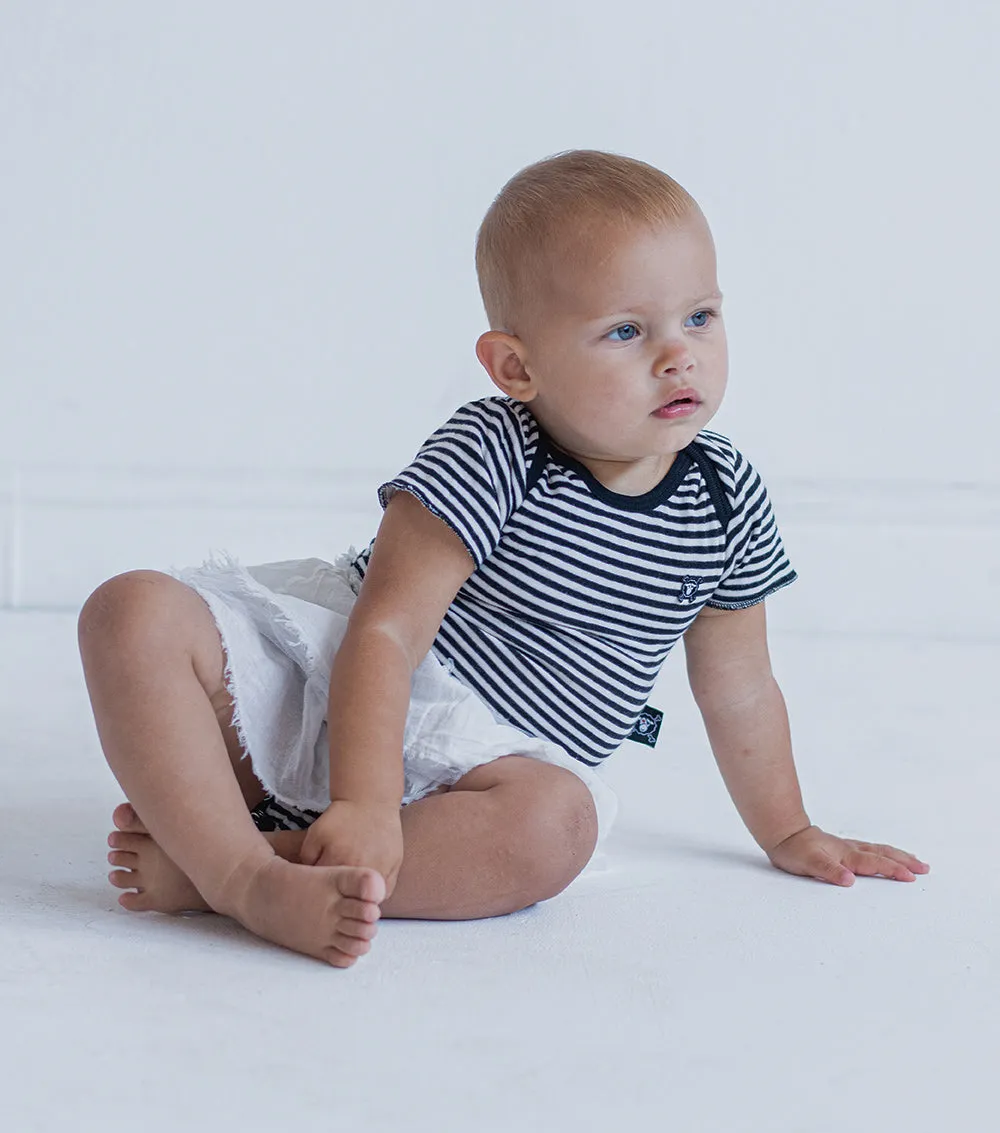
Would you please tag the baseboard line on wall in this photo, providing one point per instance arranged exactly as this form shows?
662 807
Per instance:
63 530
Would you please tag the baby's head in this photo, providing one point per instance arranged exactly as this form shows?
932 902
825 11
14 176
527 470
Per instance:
591 267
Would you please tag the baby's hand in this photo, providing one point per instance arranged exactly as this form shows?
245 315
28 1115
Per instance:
814 853
352 833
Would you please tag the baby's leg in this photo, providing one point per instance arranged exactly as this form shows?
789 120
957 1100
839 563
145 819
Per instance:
154 666
508 834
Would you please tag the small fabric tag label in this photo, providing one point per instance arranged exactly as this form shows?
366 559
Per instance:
647 728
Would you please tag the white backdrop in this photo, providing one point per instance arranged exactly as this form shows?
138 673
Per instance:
237 275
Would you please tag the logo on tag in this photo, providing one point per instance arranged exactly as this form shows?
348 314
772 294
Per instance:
689 588
646 729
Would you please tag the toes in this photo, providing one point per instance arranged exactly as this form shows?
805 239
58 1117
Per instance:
134 902
337 958
360 930
364 884
350 944
356 910
119 857
123 879
131 842
125 818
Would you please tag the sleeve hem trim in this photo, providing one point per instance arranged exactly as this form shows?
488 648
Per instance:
753 601
393 486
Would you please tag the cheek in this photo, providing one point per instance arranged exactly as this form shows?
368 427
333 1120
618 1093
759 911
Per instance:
716 366
605 401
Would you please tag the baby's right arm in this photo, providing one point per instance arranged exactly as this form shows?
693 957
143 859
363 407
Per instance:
417 566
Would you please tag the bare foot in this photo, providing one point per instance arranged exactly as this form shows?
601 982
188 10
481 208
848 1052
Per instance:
159 884
329 913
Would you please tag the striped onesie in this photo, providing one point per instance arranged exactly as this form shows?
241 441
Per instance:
578 592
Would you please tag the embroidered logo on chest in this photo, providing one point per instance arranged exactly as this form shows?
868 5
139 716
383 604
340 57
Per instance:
689 588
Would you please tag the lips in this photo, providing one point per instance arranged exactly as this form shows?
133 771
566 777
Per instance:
683 397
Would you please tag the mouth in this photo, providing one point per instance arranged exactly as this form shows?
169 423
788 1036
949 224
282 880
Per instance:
685 402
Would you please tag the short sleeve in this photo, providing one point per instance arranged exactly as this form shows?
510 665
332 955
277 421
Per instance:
470 473
756 562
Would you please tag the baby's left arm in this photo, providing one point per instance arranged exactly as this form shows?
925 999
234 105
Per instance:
729 669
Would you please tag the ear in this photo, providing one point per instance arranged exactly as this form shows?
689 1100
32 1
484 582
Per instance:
502 356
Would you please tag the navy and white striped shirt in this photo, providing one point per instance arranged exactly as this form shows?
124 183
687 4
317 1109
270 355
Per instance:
579 593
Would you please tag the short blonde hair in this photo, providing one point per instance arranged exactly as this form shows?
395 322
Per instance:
548 204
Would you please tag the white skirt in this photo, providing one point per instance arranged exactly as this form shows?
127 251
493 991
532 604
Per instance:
281 625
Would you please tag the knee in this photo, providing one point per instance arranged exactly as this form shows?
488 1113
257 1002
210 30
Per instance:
556 833
124 609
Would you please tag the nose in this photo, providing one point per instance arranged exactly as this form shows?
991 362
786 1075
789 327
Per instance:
675 358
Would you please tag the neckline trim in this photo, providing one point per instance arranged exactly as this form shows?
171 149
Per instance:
648 501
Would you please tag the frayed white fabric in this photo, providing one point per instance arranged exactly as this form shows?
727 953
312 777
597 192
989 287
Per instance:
281 625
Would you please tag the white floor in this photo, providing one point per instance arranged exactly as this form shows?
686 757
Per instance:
686 986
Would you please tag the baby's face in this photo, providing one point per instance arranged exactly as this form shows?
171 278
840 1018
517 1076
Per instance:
623 329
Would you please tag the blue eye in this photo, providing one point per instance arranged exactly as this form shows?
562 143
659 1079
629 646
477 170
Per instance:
627 331
711 315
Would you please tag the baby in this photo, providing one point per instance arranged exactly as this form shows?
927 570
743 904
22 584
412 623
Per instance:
417 730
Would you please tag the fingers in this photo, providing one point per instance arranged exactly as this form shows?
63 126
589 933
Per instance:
818 864
878 861
827 868
874 861
903 857
814 853
875 864
814 861
884 861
